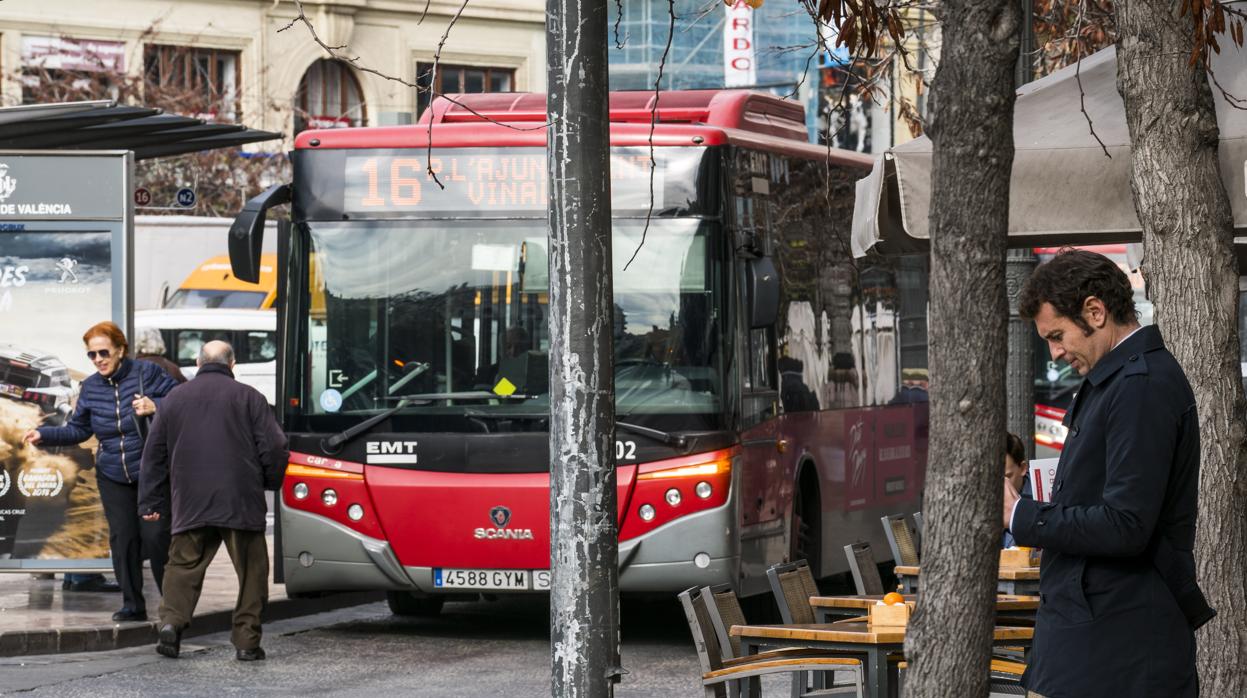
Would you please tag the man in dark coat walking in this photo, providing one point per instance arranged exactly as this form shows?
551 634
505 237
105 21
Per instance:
214 447
1119 533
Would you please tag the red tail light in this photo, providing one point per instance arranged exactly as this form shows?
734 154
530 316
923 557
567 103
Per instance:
668 489
332 489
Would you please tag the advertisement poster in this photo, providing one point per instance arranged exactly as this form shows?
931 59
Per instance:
53 286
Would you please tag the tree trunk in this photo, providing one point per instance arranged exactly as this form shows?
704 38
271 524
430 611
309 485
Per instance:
949 642
1193 283
584 539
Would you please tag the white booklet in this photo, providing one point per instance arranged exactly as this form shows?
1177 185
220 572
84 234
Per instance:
1043 474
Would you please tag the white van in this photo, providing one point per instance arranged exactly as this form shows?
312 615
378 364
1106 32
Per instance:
252 333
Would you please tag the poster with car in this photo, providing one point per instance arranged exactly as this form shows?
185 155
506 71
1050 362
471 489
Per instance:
60 246
52 287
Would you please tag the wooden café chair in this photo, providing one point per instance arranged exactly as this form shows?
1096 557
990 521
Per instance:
864 569
901 539
721 674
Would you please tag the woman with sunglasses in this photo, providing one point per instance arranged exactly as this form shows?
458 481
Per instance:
114 406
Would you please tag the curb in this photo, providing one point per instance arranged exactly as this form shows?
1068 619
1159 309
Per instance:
113 636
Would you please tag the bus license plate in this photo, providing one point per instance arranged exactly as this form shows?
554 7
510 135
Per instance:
503 580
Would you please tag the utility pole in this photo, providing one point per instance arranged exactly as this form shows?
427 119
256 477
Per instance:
1019 264
584 539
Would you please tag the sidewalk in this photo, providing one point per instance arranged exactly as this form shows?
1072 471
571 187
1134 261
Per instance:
37 617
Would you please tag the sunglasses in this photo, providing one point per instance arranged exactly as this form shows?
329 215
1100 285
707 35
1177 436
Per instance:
102 353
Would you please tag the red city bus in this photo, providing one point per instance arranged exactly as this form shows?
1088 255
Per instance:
415 347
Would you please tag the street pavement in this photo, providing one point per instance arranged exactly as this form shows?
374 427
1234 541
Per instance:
498 648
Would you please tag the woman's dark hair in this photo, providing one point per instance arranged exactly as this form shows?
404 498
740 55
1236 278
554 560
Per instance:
1015 448
1072 277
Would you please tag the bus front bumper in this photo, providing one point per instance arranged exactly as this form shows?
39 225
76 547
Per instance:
323 555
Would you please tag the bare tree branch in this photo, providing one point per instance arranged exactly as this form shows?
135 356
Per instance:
1082 94
619 12
437 60
653 122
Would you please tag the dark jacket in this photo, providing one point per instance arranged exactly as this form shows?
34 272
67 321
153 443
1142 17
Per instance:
1127 482
216 444
104 411
162 361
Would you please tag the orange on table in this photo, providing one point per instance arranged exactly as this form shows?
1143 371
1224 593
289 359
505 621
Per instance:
893 598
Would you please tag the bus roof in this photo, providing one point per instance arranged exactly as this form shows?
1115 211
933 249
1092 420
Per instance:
684 118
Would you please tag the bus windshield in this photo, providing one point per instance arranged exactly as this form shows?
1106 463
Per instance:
436 309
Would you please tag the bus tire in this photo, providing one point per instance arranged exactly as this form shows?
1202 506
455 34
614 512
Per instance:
805 540
404 603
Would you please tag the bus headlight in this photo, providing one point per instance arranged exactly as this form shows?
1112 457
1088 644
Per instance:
646 512
329 497
703 490
355 512
673 496
300 491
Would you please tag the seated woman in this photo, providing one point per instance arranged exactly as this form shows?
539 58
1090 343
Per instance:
1016 472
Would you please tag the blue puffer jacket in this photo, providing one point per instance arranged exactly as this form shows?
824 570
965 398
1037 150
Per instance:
104 411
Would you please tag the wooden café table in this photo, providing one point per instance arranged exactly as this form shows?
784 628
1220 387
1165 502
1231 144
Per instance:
870 644
825 607
1022 581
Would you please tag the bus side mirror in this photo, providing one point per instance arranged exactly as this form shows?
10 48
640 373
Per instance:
246 235
763 285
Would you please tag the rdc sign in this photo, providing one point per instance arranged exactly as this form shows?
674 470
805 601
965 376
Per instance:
739 65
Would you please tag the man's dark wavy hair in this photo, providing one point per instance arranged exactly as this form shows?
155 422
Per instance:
1069 279
1014 448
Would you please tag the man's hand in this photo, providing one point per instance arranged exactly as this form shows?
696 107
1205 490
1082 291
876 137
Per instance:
143 405
154 516
32 437
1011 498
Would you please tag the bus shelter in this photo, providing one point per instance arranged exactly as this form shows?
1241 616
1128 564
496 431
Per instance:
66 263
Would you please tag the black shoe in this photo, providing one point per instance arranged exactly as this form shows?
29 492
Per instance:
127 615
169 641
94 585
254 655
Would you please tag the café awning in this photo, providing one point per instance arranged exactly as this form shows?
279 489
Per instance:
1064 189
106 125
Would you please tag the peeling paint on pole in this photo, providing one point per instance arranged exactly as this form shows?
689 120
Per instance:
584 543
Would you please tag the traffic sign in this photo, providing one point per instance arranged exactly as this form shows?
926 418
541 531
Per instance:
186 197
142 197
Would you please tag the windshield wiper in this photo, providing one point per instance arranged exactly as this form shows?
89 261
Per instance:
677 440
333 443
464 395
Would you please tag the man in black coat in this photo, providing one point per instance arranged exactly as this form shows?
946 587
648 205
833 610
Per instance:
215 447
1118 535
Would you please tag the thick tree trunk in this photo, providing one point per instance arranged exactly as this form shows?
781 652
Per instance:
949 643
1193 283
584 539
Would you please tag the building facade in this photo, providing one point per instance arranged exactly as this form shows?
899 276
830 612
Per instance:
245 61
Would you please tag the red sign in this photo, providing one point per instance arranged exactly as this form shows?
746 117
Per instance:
142 197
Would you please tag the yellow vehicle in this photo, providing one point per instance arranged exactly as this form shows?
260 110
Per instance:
213 285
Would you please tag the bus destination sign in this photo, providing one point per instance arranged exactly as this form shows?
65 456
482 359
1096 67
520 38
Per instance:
481 181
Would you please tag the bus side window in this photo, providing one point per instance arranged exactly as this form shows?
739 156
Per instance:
759 389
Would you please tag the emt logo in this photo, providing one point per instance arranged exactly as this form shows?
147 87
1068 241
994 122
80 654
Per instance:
391 452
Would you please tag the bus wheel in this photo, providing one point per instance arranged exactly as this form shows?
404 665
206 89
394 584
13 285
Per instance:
404 603
805 539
